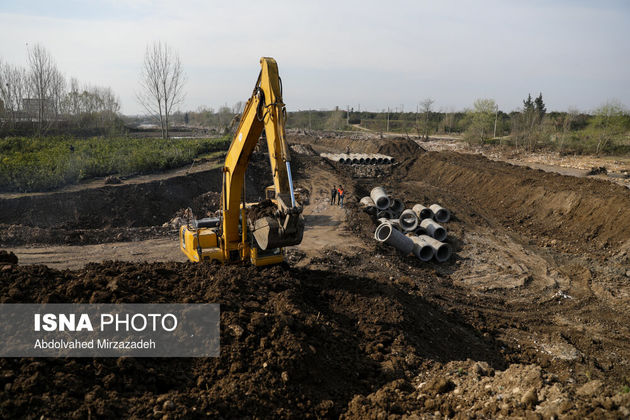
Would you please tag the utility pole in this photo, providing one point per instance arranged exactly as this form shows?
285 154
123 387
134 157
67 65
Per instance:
387 131
310 125
347 114
496 116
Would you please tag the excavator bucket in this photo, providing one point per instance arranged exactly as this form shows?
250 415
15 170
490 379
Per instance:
280 231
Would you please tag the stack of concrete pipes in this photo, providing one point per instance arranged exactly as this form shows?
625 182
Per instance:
416 230
359 158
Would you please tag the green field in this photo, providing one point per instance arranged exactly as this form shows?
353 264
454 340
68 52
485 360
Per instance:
44 163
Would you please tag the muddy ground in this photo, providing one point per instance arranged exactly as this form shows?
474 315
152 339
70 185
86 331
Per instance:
529 318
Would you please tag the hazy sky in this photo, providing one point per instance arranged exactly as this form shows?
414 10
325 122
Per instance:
337 53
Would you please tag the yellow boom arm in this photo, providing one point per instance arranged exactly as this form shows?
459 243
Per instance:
264 110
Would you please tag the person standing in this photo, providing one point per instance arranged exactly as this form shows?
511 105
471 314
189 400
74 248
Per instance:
333 195
341 195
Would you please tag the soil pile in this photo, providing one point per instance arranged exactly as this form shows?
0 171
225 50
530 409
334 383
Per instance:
265 208
399 147
581 213
293 343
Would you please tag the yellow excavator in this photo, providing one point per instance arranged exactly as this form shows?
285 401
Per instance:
254 232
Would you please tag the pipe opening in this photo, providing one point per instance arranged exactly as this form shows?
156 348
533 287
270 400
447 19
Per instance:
383 232
439 234
443 253
442 215
425 253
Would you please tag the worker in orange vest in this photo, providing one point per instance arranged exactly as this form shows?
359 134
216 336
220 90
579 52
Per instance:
341 194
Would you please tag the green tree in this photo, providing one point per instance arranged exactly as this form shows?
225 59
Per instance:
481 121
539 107
528 104
609 122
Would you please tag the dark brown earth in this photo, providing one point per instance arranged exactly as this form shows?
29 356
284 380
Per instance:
528 318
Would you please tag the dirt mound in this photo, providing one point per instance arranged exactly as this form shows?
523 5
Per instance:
204 205
575 214
303 149
15 235
293 343
126 205
479 391
399 147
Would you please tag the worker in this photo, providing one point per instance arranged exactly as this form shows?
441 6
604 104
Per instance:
333 195
340 192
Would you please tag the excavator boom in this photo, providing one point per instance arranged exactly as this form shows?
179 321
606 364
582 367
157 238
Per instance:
282 224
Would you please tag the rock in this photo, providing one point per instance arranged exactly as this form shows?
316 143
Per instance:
440 386
530 398
482 369
168 405
237 330
285 376
590 388
113 180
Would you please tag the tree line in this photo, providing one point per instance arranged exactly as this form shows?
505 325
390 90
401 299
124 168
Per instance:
39 97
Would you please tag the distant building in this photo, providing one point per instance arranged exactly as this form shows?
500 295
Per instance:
31 107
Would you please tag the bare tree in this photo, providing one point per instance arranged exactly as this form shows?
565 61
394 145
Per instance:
13 87
43 77
161 83
423 127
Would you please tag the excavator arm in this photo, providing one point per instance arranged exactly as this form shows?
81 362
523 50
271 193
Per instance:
264 110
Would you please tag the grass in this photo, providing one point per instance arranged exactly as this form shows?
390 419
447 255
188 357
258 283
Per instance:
43 163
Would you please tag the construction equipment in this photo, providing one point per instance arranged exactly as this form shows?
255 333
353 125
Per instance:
254 232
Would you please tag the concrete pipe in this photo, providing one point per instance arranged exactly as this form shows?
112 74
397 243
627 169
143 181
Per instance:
441 251
396 224
342 160
380 198
379 160
355 160
387 234
384 213
408 220
420 231
396 205
422 248
441 214
373 161
367 202
433 229
422 212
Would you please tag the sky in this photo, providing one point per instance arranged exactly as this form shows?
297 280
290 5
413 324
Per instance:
371 55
